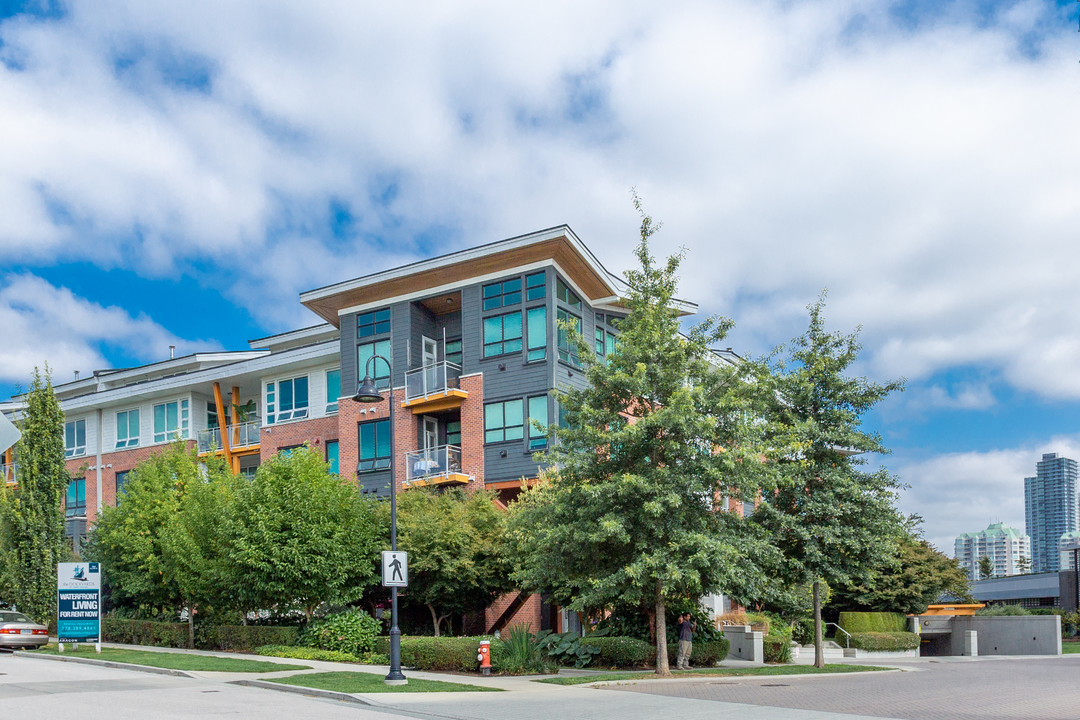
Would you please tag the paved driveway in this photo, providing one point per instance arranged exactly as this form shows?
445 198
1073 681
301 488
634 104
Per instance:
978 688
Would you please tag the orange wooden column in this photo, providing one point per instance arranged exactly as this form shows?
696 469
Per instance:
222 430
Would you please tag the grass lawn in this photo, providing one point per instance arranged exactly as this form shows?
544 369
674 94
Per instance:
1070 648
715 672
173 661
358 682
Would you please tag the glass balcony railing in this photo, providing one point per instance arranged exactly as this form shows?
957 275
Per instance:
9 472
432 463
431 379
241 436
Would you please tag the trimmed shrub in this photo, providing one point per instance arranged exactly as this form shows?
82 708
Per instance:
705 653
776 649
145 632
879 622
622 652
456 654
305 653
884 641
244 638
352 632
1002 610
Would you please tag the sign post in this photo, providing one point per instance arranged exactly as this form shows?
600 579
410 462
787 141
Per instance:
78 603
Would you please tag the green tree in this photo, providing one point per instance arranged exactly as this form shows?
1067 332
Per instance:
456 551
32 514
298 536
986 567
829 516
1023 565
917 575
658 434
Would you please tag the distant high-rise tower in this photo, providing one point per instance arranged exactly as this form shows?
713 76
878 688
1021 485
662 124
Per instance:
1050 504
1004 546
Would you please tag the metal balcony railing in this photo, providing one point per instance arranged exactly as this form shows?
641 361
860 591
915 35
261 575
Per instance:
434 462
243 435
431 379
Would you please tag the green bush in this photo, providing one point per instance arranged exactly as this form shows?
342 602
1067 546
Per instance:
776 649
622 652
803 631
305 653
705 653
244 638
520 652
884 640
1001 610
863 622
144 632
455 654
352 632
568 648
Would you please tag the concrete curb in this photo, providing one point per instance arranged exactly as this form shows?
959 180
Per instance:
109 664
310 692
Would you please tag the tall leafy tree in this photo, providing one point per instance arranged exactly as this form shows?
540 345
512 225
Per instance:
32 514
298 536
456 549
986 567
831 517
626 514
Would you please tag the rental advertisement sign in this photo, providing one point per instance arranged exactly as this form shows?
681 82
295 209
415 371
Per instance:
78 601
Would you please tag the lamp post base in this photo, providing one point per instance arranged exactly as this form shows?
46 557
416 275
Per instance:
396 681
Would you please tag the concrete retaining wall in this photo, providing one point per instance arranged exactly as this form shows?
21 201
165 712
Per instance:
1009 635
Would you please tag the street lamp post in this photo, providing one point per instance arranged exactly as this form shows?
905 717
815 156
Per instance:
368 393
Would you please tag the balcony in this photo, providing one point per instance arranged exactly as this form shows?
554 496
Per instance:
9 473
433 387
435 466
244 436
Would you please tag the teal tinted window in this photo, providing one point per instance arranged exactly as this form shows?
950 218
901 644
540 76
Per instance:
502 334
538 411
332 455
501 294
453 432
74 438
127 428
568 296
453 351
504 421
536 320
373 323
380 370
121 481
535 286
374 446
568 351
599 334
75 501
333 390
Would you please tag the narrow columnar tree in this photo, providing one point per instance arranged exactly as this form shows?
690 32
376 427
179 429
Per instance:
830 516
627 513
33 513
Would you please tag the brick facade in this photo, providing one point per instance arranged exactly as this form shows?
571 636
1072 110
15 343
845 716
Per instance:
472 430
315 432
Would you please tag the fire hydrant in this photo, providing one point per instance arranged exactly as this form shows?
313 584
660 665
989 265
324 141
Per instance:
483 656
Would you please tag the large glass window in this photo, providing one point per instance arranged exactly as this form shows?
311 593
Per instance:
286 400
332 455
536 323
502 334
121 481
170 420
535 286
75 438
568 351
374 446
333 390
568 296
501 294
504 421
453 351
75 502
380 370
127 428
538 411
376 322
453 432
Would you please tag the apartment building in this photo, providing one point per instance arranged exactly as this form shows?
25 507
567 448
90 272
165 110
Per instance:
1005 546
1052 508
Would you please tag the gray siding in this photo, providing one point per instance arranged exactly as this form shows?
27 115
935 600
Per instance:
349 378
422 322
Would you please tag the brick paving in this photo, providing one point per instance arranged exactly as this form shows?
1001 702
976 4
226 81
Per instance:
982 688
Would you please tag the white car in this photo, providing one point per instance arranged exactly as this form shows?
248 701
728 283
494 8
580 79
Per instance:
18 631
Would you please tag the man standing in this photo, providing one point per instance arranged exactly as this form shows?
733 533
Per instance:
686 640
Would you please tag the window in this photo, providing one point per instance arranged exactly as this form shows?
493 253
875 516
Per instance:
502 334
127 428
502 294
75 502
332 455
599 334
121 481
538 411
374 446
380 370
568 351
503 421
74 438
211 416
535 286
286 400
536 322
170 420
376 322
453 351
333 390
564 293
453 432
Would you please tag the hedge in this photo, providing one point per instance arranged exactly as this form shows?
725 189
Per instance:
884 640
863 622
305 653
145 632
705 652
622 652
776 649
456 654
245 638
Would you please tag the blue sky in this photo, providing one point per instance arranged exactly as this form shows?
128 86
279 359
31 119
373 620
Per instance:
175 174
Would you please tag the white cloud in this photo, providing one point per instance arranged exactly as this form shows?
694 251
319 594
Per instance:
44 323
919 173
